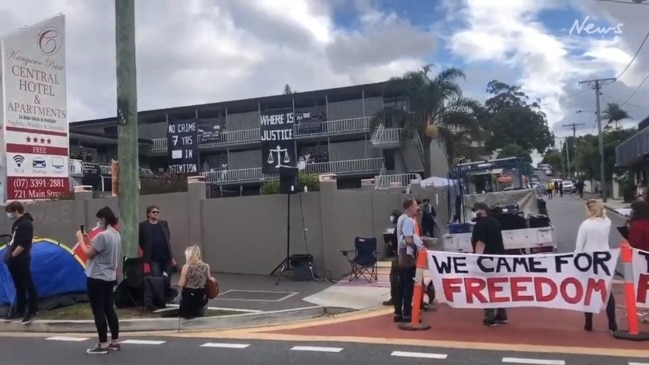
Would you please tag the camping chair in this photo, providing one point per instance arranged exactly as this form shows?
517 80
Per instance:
365 261
133 279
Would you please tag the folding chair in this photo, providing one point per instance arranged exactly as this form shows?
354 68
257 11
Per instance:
365 261
133 280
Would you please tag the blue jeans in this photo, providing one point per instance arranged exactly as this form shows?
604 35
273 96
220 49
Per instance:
160 267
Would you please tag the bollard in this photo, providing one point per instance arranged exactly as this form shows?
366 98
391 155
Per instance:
632 333
416 323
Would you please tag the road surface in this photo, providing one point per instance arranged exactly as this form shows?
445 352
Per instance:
163 351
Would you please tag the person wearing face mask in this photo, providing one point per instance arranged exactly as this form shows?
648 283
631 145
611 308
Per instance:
18 258
103 253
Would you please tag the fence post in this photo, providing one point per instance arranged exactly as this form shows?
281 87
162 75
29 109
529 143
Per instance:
416 324
632 333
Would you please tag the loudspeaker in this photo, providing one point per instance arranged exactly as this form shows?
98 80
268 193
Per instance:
288 180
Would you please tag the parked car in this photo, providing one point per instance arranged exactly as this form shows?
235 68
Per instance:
569 186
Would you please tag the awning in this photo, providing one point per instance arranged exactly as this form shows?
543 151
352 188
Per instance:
633 149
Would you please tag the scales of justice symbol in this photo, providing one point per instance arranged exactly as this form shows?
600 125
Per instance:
278 152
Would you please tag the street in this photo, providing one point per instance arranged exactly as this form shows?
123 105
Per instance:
374 340
163 351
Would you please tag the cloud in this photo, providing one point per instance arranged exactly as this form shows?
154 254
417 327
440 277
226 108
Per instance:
547 61
215 50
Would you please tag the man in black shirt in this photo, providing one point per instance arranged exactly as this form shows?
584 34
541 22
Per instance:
487 239
18 258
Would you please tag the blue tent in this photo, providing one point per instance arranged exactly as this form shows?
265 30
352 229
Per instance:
56 270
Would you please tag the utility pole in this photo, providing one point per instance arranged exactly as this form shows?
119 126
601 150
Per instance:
573 126
127 145
602 175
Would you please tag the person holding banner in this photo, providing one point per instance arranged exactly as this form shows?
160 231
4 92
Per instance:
409 243
487 239
593 236
639 226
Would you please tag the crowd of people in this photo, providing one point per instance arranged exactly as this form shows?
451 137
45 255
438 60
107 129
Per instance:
104 255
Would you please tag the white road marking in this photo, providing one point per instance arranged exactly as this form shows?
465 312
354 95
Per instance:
67 339
419 355
226 345
142 342
638 363
518 360
317 349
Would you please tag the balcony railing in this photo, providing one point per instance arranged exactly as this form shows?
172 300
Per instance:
394 180
337 167
300 130
387 136
77 167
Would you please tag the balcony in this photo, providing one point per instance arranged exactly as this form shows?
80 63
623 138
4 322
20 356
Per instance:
394 180
386 137
303 130
77 167
367 165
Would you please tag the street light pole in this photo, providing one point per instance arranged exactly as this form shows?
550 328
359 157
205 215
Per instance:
602 174
127 145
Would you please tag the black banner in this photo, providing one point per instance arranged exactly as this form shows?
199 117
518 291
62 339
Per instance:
182 146
310 120
209 130
277 142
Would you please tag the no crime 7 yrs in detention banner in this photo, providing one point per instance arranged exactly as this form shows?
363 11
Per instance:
579 281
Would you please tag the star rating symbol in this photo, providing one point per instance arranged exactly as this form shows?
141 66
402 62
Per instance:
35 139
28 139
49 141
42 140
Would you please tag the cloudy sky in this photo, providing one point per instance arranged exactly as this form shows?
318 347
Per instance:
215 50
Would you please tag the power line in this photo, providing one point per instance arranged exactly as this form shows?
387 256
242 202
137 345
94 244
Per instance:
629 104
635 91
564 98
634 56
633 2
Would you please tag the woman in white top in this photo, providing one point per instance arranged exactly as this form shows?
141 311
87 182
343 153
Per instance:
592 236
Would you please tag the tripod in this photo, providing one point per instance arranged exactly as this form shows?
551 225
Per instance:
285 265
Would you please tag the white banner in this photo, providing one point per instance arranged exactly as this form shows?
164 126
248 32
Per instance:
641 277
36 139
573 281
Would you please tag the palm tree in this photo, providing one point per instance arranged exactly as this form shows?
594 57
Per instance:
614 114
438 111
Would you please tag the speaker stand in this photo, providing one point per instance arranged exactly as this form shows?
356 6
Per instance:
285 265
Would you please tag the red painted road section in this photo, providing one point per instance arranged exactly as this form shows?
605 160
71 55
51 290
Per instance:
527 326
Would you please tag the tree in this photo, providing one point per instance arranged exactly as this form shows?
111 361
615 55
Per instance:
510 119
438 111
288 90
613 114
514 150
588 161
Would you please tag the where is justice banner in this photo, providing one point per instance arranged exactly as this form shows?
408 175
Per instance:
573 281
641 277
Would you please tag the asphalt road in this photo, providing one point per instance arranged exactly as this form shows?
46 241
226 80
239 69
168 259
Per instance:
163 351
567 213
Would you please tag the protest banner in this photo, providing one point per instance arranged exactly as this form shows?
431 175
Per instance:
641 277
579 281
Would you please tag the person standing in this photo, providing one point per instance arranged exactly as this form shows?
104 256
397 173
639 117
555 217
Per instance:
487 239
428 219
560 188
409 243
18 259
155 242
592 236
103 253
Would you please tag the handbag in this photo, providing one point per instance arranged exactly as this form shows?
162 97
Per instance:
211 288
